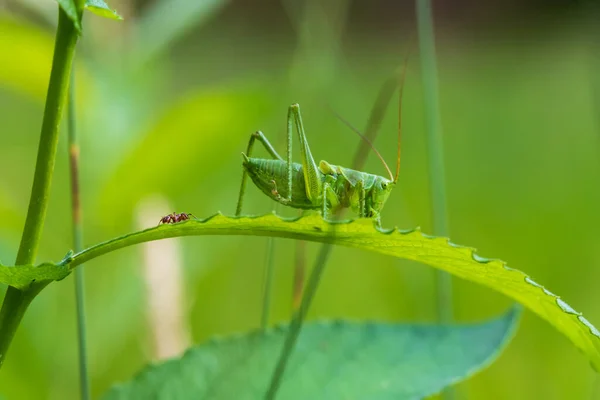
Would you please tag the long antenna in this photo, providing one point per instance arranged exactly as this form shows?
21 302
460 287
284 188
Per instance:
376 116
377 113
363 137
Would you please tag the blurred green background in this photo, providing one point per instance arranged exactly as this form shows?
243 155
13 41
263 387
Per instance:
166 101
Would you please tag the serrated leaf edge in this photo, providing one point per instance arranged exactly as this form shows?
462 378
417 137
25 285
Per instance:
318 224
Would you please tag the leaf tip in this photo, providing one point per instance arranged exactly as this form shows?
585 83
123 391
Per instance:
99 7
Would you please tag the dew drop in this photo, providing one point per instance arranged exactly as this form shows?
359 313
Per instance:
549 293
593 330
480 259
532 282
566 308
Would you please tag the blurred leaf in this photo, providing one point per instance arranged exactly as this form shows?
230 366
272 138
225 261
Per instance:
167 20
181 147
44 10
26 57
100 8
70 8
437 252
332 360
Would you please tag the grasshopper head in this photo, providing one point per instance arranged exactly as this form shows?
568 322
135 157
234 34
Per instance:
380 191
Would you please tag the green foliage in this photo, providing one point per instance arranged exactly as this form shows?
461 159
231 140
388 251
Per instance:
102 9
332 360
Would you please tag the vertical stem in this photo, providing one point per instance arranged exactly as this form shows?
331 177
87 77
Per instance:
76 210
64 51
268 280
434 147
299 272
297 320
435 151
16 301
13 308
266 306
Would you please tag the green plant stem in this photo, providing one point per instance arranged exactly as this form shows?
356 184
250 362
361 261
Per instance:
434 147
13 308
268 283
299 272
297 320
435 154
16 301
84 380
77 228
66 38
268 280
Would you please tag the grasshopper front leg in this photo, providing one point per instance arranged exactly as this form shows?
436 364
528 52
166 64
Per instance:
258 135
362 207
329 197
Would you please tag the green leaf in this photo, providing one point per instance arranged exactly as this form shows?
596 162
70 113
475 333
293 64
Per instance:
22 276
332 360
437 252
70 8
102 9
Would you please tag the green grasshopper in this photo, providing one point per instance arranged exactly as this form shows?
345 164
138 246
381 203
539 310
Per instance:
326 187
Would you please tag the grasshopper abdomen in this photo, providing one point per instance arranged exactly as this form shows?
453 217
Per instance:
270 176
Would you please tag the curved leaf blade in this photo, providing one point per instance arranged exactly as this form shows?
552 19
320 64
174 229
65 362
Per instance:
332 360
99 7
437 252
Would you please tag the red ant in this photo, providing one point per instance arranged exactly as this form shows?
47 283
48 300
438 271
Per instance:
175 217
